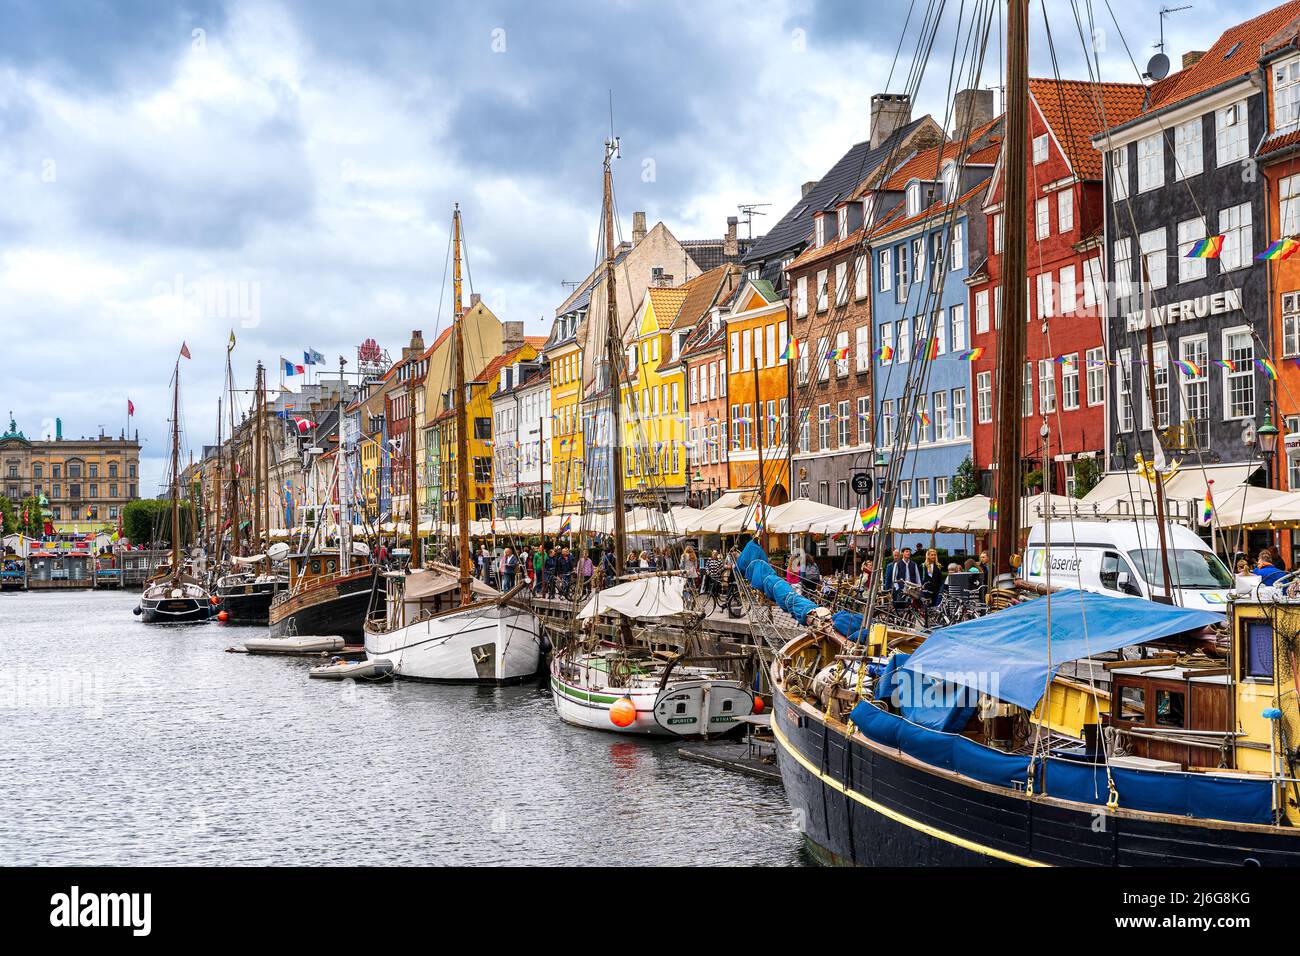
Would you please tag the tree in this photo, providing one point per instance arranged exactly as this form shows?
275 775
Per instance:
1086 476
8 516
149 520
966 483
31 518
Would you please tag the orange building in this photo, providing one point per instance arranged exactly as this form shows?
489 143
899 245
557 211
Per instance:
758 330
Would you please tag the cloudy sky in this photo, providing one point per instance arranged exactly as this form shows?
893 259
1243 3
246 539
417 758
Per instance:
173 170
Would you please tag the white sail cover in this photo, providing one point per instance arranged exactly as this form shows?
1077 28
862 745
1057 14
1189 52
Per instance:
649 597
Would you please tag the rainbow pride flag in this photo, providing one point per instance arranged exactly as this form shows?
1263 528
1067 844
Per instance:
1282 249
1190 369
993 509
923 418
791 350
885 353
970 355
567 526
1267 369
870 517
1229 364
836 355
930 350
1207 248
1207 507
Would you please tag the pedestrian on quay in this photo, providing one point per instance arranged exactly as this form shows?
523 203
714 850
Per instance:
549 570
539 569
932 577
901 572
586 568
509 569
691 568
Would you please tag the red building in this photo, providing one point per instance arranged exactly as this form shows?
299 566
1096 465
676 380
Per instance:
1064 377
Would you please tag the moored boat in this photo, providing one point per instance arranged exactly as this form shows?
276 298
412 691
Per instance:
322 597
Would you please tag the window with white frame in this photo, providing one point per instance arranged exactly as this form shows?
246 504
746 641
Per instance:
1286 94
957 316
771 424
819 231
941 432
862 348
886 279
842 223
769 351
940 490
1040 149
803 431
1290 324
903 331
1046 386
1123 392
913 198
1160 372
984 397
1093 289
949 181
1042 218
1123 268
782 341
1119 173
1239 377
981 311
957 258
864 420
1065 210
922 415
1151 162
997 307
1153 244
1070 381
1027 391
823 293
918 259
905 493
1230 134
939 331
887 421
801 297
1289 202
823 427
842 348
1189 152
886 343
823 360
841 283
959 421
1044 283
784 434
922 492
1095 360
997 233
1190 232
1234 226
860 277
901 272
1069 290
845 425
1194 390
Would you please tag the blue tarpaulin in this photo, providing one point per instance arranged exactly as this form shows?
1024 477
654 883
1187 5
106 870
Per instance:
922 699
1006 654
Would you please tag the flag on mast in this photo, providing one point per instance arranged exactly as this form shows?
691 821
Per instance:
185 351
130 408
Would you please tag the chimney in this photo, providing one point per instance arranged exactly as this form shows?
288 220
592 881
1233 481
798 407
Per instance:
512 336
416 346
1191 57
660 279
808 187
474 299
971 110
731 246
889 112
638 227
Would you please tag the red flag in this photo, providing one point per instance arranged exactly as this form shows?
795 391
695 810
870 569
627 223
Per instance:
185 351
130 408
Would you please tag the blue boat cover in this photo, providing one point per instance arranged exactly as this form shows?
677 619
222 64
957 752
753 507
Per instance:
1198 795
760 574
1006 654
923 699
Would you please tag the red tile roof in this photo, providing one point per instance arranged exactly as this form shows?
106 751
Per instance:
1235 54
928 163
895 223
1076 111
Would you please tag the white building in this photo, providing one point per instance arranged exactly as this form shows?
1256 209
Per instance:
521 434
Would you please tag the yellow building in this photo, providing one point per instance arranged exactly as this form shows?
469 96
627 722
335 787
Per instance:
564 353
442 438
654 458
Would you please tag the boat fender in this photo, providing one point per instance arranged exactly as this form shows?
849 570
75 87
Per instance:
136 610
758 704
623 713
223 616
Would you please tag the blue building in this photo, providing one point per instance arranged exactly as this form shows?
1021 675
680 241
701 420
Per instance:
922 252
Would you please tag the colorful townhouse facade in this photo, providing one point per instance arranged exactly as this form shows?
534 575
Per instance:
521 440
1064 380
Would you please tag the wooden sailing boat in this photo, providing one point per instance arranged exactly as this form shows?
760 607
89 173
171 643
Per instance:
173 595
245 584
439 623
326 594
616 685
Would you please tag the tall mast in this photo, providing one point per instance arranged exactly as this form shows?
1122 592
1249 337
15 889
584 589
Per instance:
264 475
613 348
759 422
1011 344
234 459
257 457
217 492
176 475
462 416
410 461
345 480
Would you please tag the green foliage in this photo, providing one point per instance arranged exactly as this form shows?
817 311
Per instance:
8 516
1086 475
1033 480
149 520
34 526
966 483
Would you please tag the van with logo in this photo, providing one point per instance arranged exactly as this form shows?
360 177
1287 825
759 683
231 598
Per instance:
1123 558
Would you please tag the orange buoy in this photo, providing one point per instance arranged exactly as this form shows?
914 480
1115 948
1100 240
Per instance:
758 704
623 713
214 600
223 616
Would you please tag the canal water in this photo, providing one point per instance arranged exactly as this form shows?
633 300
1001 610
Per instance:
128 744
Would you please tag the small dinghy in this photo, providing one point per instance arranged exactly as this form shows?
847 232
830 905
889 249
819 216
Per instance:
339 669
295 644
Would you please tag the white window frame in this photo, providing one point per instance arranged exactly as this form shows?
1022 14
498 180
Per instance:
984 397
1245 373
1189 149
1151 162
1190 232
1154 244
1236 227
1064 211
1231 134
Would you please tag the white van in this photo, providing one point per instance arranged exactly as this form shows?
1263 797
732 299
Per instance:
1123 557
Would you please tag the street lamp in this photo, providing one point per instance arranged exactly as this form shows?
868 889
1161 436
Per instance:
1267 435
881 468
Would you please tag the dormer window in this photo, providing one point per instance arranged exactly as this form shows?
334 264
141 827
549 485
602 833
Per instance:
1286 94
868 211
819 231
1040 149
913 197
842 223
949 182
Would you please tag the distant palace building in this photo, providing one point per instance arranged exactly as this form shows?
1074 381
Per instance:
86 480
